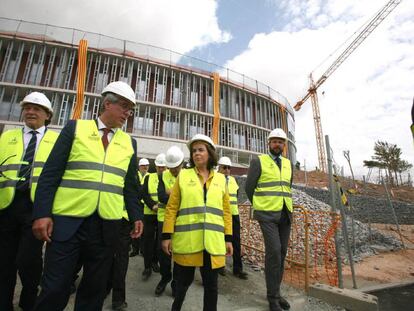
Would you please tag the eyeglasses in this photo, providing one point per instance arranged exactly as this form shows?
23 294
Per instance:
226 167
5 176
125 107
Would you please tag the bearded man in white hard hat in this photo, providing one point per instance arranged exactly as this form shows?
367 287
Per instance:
88 182
268 187
23 152
150 235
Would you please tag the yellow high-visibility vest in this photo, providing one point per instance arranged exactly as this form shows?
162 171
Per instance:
152 191
94 179
200 225
12 147
233 187
169 181
273 187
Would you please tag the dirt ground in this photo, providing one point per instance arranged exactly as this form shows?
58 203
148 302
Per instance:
320 180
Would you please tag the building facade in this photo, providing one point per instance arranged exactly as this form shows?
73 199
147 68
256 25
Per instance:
175 94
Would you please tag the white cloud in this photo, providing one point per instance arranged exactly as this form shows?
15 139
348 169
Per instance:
177 25
367 99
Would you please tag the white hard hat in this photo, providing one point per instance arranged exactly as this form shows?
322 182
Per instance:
37 99
143 161
277 133
160 159
122 89
174 157
224 161
200 137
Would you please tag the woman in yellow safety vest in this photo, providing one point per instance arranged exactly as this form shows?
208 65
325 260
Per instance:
197 227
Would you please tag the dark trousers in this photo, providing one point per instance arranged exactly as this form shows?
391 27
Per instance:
150 240
120 263
276 237
20 252
136 245
93 244
237 261
184 276
165 260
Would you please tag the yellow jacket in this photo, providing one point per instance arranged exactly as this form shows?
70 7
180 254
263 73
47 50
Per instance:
195 260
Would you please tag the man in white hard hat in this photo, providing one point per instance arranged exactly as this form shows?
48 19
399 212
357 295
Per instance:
268 187
143 166
88 180
149 239
22 154
174 159
224 168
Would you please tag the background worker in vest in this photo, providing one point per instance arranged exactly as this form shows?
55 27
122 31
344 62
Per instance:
150 218
23 152
197 225
174 159
90 176
268 187
143 166
224 168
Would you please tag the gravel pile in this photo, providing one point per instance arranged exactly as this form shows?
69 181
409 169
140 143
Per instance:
369 209
364 242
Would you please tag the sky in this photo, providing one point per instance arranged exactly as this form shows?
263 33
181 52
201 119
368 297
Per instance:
279 43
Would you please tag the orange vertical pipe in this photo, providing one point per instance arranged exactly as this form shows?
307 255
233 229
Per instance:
82 56
216 101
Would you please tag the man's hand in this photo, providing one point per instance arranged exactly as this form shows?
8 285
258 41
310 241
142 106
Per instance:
166 246
229 249
155 208
42 229
138 228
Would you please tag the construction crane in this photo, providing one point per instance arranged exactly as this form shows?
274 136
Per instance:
313 87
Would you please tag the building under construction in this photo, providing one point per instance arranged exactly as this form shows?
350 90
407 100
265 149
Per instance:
177 96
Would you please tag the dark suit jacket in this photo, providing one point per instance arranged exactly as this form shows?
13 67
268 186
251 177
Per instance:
49 181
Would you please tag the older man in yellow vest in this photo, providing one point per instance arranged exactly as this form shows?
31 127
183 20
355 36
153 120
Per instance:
268 187
88 181
23 152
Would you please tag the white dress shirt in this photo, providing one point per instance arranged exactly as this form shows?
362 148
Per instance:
27 135
101 126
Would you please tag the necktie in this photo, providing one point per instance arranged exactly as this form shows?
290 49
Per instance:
25 169
104 138
278 162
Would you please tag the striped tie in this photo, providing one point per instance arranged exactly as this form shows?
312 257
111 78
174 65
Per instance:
25 169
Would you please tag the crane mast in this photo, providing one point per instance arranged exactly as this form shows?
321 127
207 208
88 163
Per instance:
313 87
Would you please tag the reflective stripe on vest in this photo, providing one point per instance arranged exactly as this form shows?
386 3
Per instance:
273 187
233 187
200 225
152 191
12 147
94 178
169 181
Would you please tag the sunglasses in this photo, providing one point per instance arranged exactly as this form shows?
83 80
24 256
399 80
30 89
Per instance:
226 167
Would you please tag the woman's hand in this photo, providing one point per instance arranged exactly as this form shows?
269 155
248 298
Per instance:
229 249
166 246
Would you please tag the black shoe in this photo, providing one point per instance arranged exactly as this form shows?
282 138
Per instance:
284 303
274 306
146 274
119 306
161 287
241 275
222 271
155 267
134 253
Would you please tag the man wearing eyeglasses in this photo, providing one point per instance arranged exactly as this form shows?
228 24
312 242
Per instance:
23 152
225 168
87 183
268 187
